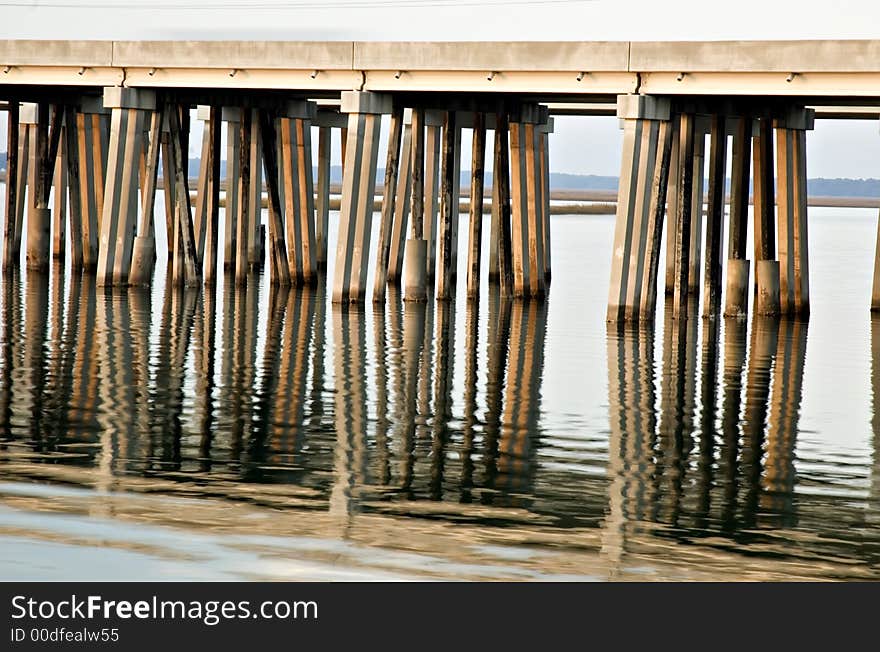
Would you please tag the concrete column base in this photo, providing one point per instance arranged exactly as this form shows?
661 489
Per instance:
142 259
737 299
767 301
38 238
415 265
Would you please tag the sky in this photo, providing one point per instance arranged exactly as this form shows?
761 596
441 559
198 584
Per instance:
579 145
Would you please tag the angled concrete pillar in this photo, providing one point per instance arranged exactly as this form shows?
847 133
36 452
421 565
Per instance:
402 205
364 110
640 203
791 199
144 249
389 197
119 218
59 200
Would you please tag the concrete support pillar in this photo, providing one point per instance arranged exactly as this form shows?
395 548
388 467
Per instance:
25 144
203 113
641 200
389 196
715 217
546 130
684 205
144 249
527 205
494 230
212 231
737 292
501 228
59 201
672 212
323 199
456 196
695 258
402 204
433 124
119 218
297 190
416 255
13 163
74 187
186 269
243 222
448 210
764 193
232 118
767 282
358 186
791 198
278 250
255 195
40 169
475 235
168 190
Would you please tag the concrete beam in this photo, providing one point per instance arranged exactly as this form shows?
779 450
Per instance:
269 55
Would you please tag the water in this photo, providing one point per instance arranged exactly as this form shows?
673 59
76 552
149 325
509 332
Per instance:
264 434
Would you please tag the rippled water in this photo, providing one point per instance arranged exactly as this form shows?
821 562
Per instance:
267 434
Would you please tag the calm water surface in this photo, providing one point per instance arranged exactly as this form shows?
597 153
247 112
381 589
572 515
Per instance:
266 434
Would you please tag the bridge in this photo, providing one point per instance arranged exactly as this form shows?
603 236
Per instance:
94 119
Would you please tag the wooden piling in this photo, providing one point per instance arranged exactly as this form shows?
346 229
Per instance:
475 236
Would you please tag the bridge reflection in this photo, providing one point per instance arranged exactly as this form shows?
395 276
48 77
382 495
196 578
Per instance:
424 410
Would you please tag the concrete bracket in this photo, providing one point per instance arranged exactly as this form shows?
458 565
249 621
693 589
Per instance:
117 97
796 118
365 102
643 107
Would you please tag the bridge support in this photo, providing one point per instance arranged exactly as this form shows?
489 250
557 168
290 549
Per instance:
475 234
737 301
791 199
389 197
764 193
416 255
119 217
143 253
527 203
448 209
546 130
401 205
647 147
358 185
12 223
232 118
297 190
433 124
715 217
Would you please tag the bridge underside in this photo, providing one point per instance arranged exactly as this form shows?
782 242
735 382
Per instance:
96 119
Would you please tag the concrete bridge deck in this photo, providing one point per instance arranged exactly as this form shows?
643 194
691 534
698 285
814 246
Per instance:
840 69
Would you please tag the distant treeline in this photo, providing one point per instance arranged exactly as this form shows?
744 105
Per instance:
819 187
